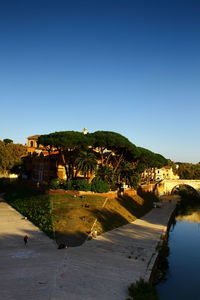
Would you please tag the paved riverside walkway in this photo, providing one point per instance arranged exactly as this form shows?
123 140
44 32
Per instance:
99 269
26 272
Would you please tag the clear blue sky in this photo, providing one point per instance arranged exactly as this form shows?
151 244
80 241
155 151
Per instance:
132 67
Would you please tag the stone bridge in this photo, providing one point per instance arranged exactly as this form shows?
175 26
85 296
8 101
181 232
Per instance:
166 187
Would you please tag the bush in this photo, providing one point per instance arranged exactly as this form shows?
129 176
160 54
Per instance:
80 185
55 184
75 184
67 185
141 290
99 186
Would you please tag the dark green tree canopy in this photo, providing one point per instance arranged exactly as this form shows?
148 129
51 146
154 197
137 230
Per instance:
188 170
149 159
7 141
10 154
64 140
110 140
111 150
116 144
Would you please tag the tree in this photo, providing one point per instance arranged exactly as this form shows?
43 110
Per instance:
116 156
105 173
7 141
128 175
69 144
188 171
10 154
149 159
86 162
113 148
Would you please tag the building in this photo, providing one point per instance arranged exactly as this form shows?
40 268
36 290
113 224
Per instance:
32 145
44 165
153 175
165 173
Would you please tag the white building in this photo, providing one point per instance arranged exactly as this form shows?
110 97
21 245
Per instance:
156 174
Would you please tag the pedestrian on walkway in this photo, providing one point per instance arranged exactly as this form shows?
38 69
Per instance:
25 239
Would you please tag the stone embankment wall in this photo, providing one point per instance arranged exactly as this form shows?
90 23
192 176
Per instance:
80 193
110 195
147 188
167 218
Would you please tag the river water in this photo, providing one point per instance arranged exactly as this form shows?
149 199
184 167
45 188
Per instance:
182 280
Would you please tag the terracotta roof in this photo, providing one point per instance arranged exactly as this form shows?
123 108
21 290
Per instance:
33 137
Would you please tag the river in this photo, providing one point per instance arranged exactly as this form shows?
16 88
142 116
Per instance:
182 278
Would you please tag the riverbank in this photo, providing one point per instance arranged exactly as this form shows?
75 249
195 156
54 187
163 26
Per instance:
170 215
104 268
181 280
72 218
101 268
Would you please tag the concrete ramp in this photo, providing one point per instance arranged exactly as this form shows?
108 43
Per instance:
99 269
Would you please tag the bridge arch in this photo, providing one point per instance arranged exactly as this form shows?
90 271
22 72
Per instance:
165 187
181 186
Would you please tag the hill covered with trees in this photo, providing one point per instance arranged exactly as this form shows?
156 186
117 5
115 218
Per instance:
117 158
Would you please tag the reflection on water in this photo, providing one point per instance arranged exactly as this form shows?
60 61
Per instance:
192 217
182 279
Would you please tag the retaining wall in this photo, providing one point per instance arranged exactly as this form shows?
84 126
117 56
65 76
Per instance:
112 194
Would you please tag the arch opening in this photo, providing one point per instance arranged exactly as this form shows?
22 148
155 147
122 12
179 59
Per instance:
182 189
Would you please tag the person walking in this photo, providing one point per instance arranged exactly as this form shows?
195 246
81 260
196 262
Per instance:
25 239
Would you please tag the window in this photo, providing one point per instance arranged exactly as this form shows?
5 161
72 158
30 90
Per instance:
31 143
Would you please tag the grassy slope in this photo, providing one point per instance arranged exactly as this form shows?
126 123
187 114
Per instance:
70 219
73 219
